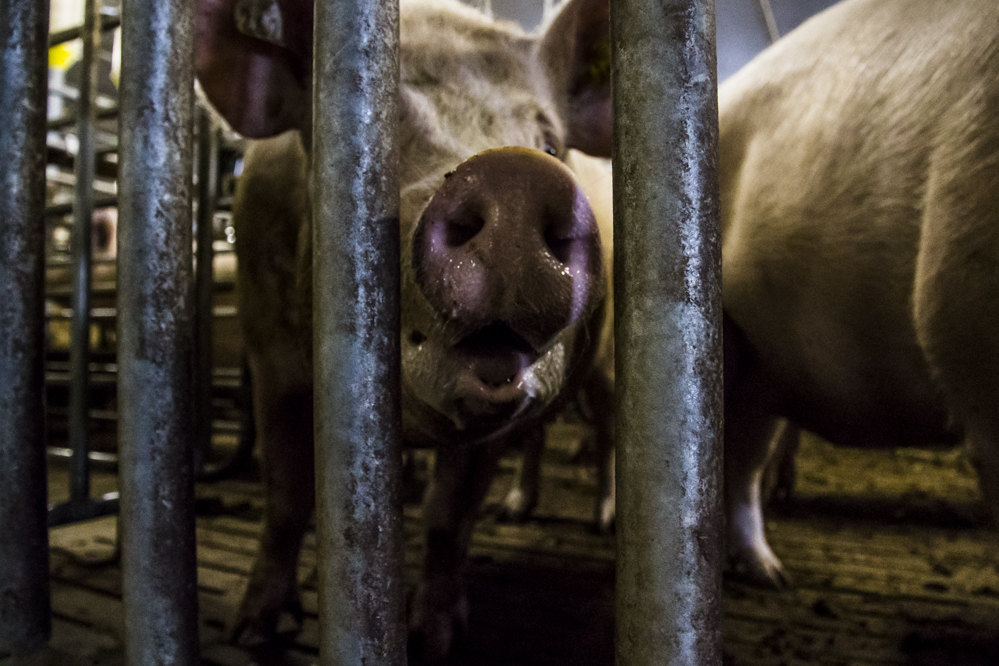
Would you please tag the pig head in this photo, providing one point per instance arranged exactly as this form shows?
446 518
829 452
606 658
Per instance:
504 257
859 174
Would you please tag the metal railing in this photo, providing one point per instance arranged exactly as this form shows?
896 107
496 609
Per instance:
668 327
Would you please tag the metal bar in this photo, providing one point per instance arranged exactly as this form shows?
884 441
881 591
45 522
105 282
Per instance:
83 207
204 287
25 622
768 17
108 23
74 511
155 333
668 323
62 123
65 209
356 334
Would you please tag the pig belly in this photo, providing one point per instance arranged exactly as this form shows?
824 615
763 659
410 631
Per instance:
829 340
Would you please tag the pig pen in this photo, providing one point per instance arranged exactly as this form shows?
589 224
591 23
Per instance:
893 562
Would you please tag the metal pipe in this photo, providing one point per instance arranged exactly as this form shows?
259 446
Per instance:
668 323
356 333
25 622
204 286
155 333
102 114
83 208
108 23
768 17
58 210
74 512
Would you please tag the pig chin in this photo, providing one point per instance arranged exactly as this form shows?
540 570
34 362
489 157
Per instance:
477 392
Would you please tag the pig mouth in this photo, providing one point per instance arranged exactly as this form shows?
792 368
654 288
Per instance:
494 359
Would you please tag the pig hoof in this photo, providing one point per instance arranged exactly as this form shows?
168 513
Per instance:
256 629
761 569
606 516
517 506
433 630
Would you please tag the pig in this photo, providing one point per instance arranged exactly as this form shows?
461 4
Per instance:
506 234
859 180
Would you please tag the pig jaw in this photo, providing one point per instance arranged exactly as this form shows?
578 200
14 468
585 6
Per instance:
445 400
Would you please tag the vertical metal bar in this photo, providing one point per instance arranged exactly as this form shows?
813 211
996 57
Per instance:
356 333
25 621
204 286
155 333
83 206
768 17
668 333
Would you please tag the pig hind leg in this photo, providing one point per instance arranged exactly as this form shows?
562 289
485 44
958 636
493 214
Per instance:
283 414
749 446
956 292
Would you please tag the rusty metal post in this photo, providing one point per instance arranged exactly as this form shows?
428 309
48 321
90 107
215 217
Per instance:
25 621
356 333
668 332
83 207
155 316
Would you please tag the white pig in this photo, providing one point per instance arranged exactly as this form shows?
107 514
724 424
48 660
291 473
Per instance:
859 162
505 232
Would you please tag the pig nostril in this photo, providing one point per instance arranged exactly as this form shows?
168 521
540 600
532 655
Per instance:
561 248
417 338
462 228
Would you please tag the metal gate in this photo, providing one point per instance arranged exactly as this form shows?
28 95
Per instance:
668 331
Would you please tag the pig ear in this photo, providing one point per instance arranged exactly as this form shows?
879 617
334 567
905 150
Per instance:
253 60
576 49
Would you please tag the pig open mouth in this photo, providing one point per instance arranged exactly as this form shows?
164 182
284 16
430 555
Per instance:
496 358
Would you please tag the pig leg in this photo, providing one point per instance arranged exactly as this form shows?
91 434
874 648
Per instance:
957 284
749 445
778 480
522 498
462 475
283 414
600 398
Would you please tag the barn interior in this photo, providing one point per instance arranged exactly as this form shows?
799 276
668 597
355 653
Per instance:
891 555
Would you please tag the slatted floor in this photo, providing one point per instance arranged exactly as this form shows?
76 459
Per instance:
892 558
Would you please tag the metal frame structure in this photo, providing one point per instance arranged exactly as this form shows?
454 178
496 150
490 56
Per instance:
668 320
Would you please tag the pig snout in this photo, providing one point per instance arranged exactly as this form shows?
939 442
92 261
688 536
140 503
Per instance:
508 253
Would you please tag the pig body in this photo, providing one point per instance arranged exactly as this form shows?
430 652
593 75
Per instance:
860 209
504 227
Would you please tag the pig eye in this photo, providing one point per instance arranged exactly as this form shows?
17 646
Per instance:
550 144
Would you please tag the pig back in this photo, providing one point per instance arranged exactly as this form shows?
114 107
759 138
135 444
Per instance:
833 144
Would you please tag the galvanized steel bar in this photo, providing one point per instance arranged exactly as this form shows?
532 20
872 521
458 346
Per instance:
25 621
155 317
83 207
668 333
356 333
204 287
